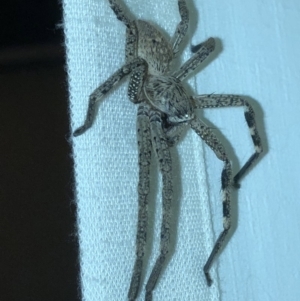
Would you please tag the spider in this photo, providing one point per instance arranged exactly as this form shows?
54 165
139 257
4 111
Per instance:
165 109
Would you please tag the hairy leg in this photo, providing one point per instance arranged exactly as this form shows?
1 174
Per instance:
131 31
102 90
190 65
221 101
144 149
136 83
131 42
182 27
137 77
212 141
165 164
116 7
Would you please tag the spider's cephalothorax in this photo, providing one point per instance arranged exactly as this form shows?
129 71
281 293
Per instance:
165 108
167 94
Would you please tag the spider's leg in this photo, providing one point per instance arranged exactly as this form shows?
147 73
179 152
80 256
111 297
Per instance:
212 141
182 27
119 12
219 101
136 83
190 65
165 164
195 48
144 149
131 42
102 90
131 31
137 77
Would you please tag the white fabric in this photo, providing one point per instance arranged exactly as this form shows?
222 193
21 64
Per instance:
106 165
260 58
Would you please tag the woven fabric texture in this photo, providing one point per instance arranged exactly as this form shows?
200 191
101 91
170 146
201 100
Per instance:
106 165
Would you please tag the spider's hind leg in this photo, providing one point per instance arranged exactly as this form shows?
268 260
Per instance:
144 148
163 156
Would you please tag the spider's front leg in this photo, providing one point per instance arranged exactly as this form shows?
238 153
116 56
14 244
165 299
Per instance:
131 30
163 155
190 65
144 149
131 52
102 90
213 142
182 27
221 101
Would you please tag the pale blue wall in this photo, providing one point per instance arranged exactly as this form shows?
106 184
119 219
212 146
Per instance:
261 59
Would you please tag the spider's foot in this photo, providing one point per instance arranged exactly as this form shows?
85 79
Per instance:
208 279
209 44
235 181
79 131
148 296
236 185
195 48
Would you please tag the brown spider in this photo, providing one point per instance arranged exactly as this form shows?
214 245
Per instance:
165 109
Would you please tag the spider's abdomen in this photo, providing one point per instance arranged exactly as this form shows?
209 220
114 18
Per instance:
153 48
167 94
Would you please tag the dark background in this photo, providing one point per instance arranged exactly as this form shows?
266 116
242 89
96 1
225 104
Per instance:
38 240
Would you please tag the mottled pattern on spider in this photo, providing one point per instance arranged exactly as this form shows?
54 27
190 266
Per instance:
165 108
